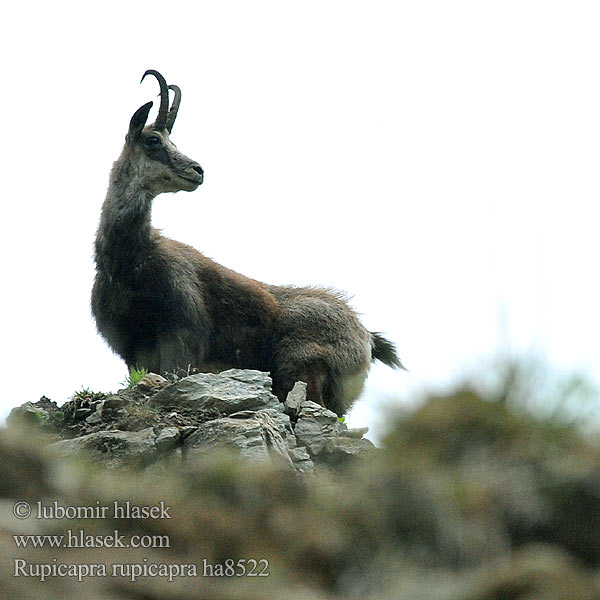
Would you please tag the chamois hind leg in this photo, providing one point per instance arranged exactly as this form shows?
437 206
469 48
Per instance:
335 389
315 380
315 376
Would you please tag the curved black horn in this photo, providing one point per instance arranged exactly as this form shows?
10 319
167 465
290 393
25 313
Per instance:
163 110
174 107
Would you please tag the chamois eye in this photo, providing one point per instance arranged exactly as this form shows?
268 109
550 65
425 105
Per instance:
152 141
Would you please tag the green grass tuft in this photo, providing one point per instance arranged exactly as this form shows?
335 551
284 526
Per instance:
135 376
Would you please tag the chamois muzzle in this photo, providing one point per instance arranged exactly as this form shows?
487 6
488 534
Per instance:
197 174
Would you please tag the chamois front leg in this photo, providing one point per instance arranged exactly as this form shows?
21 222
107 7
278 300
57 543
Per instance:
178 350
169 354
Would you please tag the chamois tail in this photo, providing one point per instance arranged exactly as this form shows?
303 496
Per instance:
383 350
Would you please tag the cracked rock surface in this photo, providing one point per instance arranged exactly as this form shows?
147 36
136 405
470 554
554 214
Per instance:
185 419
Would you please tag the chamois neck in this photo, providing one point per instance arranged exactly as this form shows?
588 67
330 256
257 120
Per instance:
125 228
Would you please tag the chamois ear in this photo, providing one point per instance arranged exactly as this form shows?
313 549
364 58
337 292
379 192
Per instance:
138 121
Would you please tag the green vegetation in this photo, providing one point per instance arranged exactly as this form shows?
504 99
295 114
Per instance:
86 394
58 417
135 376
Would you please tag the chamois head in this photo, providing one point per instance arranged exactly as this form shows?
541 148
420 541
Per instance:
157 163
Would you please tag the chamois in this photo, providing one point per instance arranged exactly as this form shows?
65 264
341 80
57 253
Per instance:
163 306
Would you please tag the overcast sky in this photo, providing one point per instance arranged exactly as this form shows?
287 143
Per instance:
437 160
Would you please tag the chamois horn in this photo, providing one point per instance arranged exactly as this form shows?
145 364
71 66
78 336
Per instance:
174 107
161 120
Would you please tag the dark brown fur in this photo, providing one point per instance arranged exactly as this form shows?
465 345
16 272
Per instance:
163 306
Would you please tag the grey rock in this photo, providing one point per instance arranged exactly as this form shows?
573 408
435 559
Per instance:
151 383
301 460
355 433
27 412
82 413
228 392
116 448
321 414
114 403
165 462
301 434
95 417
187 430
273 434
327 440
251 376
243 435
282 421
338 450
243 414
167 439
315 425
295 399
256 437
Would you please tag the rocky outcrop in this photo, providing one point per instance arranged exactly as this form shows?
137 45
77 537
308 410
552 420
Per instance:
115 448
468 498
187 418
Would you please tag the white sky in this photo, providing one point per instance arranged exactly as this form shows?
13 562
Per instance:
438 160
